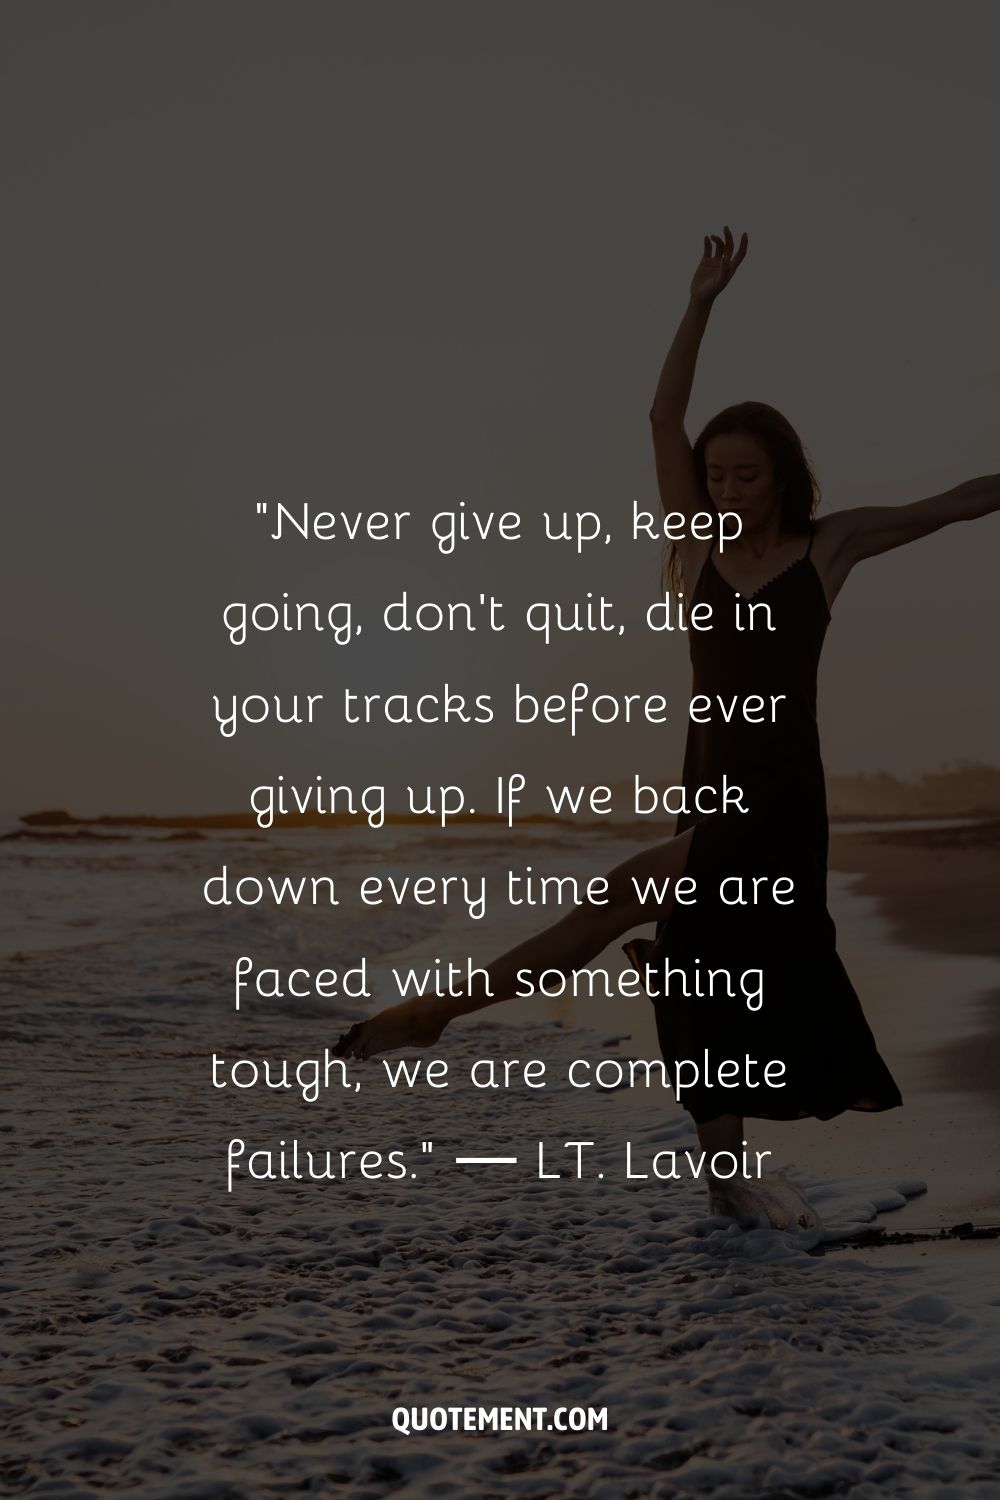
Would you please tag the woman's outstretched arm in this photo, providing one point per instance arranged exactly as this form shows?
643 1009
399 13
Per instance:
871 529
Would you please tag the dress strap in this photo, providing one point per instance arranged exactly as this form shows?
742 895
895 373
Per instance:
809 548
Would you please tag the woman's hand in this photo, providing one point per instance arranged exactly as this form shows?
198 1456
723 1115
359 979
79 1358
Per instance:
717 267
413 1023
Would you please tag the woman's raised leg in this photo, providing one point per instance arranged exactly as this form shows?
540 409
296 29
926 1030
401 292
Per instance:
566 945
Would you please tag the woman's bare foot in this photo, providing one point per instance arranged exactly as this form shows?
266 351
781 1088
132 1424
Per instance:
772 1202
413 1023
792 1202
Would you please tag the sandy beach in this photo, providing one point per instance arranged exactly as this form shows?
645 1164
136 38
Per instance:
168 1338
172 1340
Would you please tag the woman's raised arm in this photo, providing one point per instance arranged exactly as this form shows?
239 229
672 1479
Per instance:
675 471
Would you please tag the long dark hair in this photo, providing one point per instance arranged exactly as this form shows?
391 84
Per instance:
793 472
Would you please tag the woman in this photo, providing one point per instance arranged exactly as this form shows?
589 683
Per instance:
748 462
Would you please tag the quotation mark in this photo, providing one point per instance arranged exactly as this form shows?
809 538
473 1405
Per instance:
426 1147
262 507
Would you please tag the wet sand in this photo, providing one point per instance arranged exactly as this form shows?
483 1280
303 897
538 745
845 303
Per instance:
925 956
937 892
937 886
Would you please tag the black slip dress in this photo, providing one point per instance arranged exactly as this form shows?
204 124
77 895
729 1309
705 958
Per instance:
809 1016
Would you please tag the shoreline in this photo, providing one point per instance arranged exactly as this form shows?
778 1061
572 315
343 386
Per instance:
922 947
175 1339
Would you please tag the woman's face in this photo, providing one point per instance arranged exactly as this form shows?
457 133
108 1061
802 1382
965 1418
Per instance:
740 478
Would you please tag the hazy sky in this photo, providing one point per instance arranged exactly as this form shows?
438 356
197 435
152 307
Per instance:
405 255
